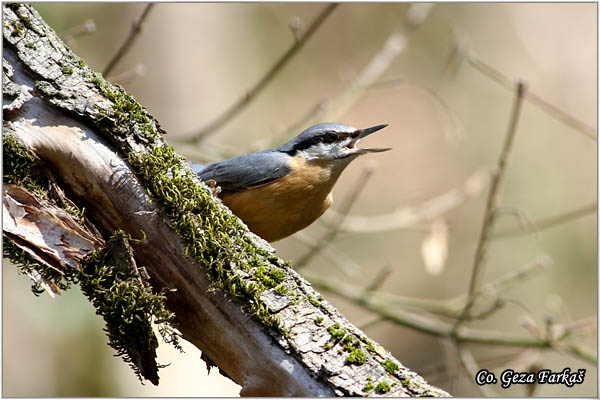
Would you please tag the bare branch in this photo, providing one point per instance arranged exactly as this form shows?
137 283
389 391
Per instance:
421 322
339 259
136 29
249 312
380 278
372 322
300 124
391 49
541 264
492 200
129 75
470 366
410 216
539 101
69 35
334 228
239 105
549 222
449 308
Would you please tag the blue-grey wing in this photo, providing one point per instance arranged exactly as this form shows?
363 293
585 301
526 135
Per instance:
245 171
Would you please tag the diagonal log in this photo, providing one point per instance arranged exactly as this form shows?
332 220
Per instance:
250 313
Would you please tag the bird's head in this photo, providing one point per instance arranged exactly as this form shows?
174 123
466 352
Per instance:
332 142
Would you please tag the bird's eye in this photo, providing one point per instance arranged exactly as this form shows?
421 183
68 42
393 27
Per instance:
331 137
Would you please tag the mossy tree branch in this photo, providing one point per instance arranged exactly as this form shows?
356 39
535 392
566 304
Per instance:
248 311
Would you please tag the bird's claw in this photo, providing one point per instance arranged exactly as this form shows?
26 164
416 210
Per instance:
212 185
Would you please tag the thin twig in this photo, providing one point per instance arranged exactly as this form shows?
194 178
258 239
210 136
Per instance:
69 35
520 275
453 125
337 258
549 222
494 306
440 369
421 322
584 325
361 183
543 104
300 124
410 216
380 278
136 28
448 308
438 307
540 264
88 26
372 322
391 49
582 353
241 103
492 201
129 75
525 221
471 368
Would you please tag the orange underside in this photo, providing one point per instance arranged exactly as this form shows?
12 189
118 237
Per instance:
280 208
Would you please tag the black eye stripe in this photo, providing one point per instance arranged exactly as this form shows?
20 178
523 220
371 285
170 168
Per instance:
305 144
325 137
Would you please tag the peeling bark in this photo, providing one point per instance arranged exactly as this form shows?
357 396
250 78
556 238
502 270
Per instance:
64 114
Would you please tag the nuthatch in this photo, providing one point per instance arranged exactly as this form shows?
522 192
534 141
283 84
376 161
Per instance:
280 191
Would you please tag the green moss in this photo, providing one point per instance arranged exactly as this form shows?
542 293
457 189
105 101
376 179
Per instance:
328 346
349 345
13 6
269 277
390 366
383 387
128 306
285 332
356 357
212 236
368 387
370 346
29 266
319 320
25 19
281 290
314 301
20 167
17 29
277 274
126 117
24 169
67 70
30 45
337 333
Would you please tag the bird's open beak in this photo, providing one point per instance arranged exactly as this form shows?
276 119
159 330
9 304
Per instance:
364 133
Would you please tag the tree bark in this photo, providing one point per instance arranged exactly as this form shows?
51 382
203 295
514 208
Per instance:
252 315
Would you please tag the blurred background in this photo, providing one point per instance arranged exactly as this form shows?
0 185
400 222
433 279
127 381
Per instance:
448 114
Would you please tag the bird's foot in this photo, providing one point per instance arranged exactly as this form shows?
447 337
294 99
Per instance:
212 185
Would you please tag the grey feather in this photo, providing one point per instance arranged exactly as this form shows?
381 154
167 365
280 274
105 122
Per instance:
312 134
245 171
255 169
